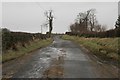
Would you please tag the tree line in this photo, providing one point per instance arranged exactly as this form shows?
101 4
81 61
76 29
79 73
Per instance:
86 25
11 39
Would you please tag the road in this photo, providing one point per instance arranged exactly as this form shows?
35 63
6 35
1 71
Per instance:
61 59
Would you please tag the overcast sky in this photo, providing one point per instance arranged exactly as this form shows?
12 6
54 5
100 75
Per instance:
119 8
28 16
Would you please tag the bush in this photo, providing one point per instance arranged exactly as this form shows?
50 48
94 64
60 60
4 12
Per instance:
11 39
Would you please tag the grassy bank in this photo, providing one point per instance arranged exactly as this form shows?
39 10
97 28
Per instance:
104 48
10 54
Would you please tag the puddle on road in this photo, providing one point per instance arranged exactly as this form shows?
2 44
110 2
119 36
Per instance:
62 50
56 69
45 60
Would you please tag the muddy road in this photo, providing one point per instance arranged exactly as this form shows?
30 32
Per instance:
61 59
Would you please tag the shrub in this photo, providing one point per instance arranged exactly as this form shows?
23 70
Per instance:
11 39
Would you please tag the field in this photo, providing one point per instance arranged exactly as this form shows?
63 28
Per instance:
104 48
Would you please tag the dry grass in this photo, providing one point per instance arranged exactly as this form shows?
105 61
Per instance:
105 48
10 54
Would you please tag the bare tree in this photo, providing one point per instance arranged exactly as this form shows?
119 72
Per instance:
80 24
92 19
103 28
100 28
97 28
49 15
86 21
72 29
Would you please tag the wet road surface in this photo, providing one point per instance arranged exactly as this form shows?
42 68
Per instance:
62 59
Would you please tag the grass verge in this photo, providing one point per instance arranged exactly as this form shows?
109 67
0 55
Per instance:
10 54
104 48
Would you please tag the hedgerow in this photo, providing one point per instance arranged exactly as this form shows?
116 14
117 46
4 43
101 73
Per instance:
11 39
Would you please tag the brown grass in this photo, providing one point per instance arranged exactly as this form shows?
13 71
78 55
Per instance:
104 48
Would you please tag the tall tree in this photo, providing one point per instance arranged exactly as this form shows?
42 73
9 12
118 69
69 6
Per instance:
85 20
99 28
49 15
92 19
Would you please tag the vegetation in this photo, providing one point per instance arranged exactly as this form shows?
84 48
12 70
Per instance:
10 54
11 39
86 21
104 48
49 15
118 22
101 42
117 26
16 44
87 25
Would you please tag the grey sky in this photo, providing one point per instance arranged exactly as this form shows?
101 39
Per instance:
119 8
28 16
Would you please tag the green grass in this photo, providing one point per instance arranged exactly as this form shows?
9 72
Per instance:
10 54
104 48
